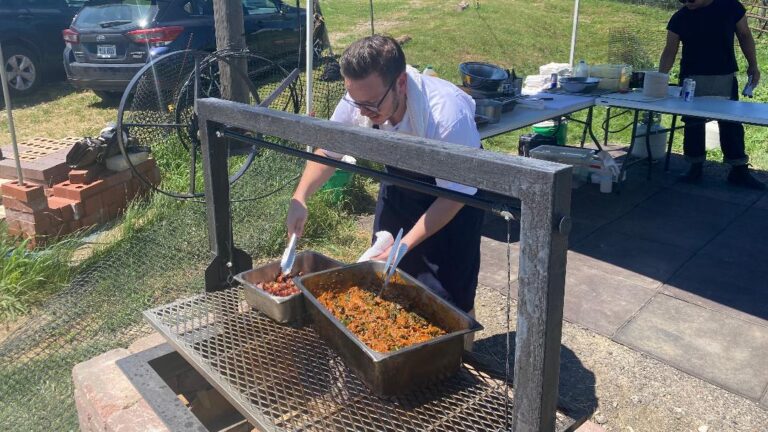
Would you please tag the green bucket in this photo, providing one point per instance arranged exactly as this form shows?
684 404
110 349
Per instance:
551 128
336 185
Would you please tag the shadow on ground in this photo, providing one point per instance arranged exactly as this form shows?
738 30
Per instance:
576 397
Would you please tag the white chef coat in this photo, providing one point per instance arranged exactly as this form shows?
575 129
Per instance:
451 119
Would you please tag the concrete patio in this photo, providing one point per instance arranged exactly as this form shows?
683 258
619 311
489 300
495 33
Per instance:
676 271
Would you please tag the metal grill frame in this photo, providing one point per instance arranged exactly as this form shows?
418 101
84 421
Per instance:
543 188
284 378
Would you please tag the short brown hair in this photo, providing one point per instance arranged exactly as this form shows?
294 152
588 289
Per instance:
373 54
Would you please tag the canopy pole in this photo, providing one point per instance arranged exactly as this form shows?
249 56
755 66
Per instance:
9 110
573 32
310 24
372 30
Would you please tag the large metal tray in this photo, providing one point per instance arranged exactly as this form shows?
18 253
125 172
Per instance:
396 372
288 309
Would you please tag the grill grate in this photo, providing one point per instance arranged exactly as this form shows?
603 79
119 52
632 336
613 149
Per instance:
284 378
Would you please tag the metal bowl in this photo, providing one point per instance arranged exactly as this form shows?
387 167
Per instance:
579 84
482 76
489 109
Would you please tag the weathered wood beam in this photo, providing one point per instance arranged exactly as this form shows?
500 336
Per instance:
496 172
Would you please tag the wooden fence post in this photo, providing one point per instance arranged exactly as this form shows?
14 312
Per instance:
230 35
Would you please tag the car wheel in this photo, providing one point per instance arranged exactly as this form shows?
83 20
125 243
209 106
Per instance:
109 96
23 70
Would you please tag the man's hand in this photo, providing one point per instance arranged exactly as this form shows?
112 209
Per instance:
297 218
383 256
754 72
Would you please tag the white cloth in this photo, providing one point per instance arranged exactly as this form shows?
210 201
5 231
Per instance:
435 109
384 240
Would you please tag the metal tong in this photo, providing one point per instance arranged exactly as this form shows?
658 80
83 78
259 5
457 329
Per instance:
395 255
289 256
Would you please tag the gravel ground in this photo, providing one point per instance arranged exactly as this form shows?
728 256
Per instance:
625 389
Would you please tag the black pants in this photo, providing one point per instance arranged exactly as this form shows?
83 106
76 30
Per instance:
731 137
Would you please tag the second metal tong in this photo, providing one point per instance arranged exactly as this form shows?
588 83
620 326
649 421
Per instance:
395 255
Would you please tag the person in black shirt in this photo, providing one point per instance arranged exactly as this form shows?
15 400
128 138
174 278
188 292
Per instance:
706 29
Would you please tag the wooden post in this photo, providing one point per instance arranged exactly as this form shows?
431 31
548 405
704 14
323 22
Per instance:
230 35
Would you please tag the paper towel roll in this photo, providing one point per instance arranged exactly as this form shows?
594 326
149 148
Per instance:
655 84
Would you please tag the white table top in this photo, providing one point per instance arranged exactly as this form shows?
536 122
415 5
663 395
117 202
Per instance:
703 107
523 116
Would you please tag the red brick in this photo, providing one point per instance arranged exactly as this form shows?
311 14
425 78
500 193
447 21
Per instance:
120 177
32 229
146 166
93 205
90 220
78 192
27 193
115 196
154 176
65 206
14 227
41 217
85 176
14 204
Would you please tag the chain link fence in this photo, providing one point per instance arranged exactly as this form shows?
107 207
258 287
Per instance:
159 253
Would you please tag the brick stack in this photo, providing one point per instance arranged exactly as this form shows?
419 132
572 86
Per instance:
90 197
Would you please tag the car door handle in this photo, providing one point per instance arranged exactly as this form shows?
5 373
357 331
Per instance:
25 16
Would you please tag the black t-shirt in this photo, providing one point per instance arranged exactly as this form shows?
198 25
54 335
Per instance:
707 35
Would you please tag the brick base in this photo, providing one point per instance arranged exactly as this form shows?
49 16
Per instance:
96 196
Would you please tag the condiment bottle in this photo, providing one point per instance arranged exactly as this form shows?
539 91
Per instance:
624 78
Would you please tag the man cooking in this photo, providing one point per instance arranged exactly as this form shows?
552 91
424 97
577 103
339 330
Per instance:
706 29
443 236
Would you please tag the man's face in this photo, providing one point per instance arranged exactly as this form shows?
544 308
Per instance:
376 99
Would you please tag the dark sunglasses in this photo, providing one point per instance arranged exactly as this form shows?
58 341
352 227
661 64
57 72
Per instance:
374 108
687 1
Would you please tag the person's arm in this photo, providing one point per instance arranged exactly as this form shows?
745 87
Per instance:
433 220
670 52
313 177
747 44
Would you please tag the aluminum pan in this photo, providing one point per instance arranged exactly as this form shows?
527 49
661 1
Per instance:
286 309
399 371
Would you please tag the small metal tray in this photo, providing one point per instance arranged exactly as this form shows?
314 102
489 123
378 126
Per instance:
395 372
289 309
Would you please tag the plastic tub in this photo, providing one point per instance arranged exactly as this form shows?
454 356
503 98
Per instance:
550 128
337 184
579 158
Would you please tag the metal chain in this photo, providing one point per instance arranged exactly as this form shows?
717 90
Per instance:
508 217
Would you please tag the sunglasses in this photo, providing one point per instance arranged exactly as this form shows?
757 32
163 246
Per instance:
374 108
687 1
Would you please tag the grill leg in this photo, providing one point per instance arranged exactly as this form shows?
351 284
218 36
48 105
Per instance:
227 259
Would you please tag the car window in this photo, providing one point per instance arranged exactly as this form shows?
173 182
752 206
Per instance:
198 7
259 7
116 13
49 4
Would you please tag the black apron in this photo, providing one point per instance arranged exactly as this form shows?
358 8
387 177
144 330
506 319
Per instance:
448 262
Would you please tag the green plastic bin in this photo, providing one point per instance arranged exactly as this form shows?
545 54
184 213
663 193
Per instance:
336 185
551 128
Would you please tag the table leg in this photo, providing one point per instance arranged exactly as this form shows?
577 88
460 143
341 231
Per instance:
586 126
648 142
607 126
671 140
624 164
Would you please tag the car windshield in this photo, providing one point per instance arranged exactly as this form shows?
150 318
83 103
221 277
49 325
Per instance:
101 14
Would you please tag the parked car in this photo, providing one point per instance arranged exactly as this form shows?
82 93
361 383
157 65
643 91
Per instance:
110 40
30 34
